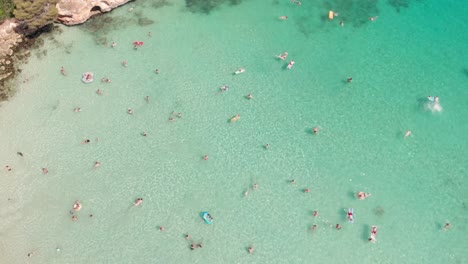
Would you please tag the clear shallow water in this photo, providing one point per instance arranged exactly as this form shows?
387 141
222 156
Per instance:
417 183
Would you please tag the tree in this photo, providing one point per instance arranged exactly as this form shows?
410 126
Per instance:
6 9
34 15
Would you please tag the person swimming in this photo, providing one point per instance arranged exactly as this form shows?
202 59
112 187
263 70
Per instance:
224 88
373 236
283 56
77 206
408 133
283 17
350 216
362 195
138 202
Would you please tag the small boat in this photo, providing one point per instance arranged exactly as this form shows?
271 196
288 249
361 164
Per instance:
351 215
290 65
87 77
234 119
207 217
239 71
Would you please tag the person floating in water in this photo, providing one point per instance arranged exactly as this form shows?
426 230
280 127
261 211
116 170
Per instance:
408 133
373 236
62 70
362 195
138 202
350 216
447 226
283 56
283 17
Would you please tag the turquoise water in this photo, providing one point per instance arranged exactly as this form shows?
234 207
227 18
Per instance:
417 183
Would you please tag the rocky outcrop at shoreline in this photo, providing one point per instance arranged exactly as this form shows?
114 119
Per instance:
9 41
72 12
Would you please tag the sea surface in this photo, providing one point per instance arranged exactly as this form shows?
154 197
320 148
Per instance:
411 50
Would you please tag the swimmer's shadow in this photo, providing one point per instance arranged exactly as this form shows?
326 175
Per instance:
365 232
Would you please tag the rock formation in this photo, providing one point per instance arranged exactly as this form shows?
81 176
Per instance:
8 41
72 12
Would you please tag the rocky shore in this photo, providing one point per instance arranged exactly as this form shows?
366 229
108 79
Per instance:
10 41
73 12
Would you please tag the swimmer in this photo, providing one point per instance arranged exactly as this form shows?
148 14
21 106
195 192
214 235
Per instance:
179 115
316 213
251 249
8 167
430 98
149 34
97 164
255 186
200 245
349 79
113 44
62 70
130 111
147 98
224 88
20 153
107 80
156 71
86 141
77 206
124 63
408 133
76 110
74 218
249 96
205 157
307 190
162 228
91 215
362 195
171 119
99 91
447 226
293 181
246 193
267 146
436 99
31 254
138 202
350 216
144 134
192 246
45 170
283 17
187 237
374 18
283 56
373 236
314 227
316 130
338 226
342 23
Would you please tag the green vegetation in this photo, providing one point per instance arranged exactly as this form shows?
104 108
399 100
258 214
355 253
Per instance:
34 14
6 9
